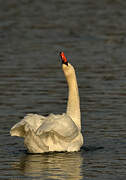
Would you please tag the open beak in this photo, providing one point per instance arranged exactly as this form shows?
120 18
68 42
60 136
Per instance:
63 58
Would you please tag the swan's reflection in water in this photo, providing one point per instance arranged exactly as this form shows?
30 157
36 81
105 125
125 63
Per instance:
51 166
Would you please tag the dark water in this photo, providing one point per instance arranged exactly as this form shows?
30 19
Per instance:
93 36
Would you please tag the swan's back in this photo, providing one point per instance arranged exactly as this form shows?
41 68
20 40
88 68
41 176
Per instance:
62 125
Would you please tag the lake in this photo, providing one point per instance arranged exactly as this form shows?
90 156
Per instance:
92 35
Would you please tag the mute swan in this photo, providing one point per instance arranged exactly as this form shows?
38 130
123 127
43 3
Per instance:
54 132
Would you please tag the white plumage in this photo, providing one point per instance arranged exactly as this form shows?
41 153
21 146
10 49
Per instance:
54 132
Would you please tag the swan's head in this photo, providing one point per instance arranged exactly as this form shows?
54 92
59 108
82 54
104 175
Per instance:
66 66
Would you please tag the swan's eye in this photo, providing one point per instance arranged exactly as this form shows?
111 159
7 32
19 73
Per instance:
65 63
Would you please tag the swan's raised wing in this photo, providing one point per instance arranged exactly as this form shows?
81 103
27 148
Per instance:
61 125
30 122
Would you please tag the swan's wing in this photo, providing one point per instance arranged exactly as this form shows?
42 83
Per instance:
30 122
61 125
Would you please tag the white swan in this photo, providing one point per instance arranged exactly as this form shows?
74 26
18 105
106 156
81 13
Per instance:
54 132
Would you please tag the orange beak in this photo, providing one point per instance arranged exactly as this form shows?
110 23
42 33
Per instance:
64 59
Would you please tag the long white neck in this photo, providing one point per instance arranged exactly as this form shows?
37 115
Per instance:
73 105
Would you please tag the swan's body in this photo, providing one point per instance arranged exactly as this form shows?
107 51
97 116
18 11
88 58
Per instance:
54 132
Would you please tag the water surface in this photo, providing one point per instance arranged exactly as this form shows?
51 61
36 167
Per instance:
92 35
